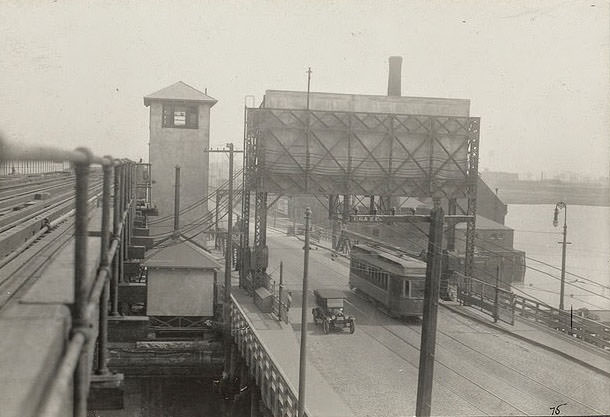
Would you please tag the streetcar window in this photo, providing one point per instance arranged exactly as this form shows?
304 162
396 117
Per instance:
405 288
417 288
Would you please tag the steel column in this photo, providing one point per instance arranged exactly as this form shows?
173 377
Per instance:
260 239
473 176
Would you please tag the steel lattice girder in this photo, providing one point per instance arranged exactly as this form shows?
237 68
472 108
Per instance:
329 152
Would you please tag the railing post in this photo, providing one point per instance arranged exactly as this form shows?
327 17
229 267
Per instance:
116 271
81 286
123 254
102 347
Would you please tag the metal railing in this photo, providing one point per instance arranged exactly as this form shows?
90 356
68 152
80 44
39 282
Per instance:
93 296
489 298
278 393
503 305
585 329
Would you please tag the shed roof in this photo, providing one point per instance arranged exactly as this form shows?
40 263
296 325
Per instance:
180 253
179 91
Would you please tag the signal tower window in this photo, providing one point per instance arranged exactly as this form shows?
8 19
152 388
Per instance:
180 116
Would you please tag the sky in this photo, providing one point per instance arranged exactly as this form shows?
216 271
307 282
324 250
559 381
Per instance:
73 73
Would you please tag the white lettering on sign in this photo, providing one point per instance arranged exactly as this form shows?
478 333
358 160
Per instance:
366 219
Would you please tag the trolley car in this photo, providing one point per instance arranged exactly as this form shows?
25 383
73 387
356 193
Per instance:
395 282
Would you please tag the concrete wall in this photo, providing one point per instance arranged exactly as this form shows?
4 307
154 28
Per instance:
184 147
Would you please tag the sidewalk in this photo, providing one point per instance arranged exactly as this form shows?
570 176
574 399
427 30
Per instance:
549 339
280 339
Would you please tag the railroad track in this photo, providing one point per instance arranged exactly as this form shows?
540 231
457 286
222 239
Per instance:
9 187
12 199
21 228
20 269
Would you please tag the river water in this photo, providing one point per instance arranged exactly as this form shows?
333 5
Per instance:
587 260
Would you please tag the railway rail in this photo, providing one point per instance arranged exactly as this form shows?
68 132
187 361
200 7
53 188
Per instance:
20 228
27 192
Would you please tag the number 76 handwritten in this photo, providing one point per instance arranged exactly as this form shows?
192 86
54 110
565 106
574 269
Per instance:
555 410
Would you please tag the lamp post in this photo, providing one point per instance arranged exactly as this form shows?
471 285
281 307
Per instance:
564 206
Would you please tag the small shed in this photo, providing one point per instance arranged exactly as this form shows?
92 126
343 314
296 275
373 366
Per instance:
181 280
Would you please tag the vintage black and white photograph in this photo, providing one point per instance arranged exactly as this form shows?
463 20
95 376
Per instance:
304 208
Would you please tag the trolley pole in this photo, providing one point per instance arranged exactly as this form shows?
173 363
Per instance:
303 352
431 294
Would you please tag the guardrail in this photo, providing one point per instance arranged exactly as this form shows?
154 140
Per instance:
92 295
583 328
503 305
278 394
490 299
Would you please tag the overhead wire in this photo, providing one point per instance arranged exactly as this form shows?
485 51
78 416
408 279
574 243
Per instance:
199 202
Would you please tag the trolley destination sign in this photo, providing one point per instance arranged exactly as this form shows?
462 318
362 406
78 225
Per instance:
404 218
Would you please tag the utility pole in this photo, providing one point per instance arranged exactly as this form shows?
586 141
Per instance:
281 290
564 243
177 203
303 352
228 259
431 294
437 220
228 262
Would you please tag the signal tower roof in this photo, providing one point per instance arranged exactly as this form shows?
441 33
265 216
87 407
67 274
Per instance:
179 91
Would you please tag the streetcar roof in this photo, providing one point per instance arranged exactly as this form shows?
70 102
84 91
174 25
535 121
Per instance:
409 263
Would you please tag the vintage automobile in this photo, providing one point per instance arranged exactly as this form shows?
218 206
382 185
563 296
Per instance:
329 311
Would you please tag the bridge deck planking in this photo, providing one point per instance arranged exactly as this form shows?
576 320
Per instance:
501 378
35 331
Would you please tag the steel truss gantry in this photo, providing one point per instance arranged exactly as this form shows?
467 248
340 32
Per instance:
350 156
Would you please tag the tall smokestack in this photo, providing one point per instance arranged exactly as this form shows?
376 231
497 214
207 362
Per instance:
394 74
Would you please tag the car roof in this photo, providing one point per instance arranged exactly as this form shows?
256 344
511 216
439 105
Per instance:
329 293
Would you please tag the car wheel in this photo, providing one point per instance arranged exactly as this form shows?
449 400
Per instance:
352 327
326 327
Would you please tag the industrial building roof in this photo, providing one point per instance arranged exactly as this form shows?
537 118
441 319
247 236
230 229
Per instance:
431 106
179 91
483 223
180 253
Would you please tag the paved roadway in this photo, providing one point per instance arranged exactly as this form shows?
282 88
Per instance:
479 370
